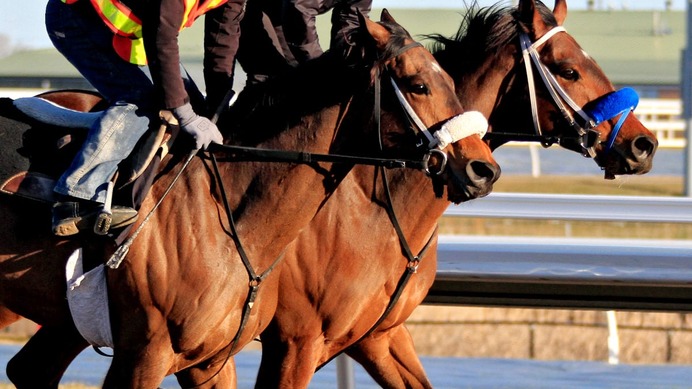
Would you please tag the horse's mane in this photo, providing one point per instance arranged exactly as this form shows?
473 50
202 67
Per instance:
483 31
396 42
284 99
263 109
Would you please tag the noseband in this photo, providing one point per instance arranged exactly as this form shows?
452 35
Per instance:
454 129
604 108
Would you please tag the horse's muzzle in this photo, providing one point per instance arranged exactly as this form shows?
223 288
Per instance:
477 181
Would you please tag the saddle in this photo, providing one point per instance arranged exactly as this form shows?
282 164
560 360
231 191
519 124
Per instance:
55 134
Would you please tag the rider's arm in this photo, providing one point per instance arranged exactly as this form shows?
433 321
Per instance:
160 26
221 39
298 20
345 22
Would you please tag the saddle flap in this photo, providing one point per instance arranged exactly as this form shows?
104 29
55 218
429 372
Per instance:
50 113
30 185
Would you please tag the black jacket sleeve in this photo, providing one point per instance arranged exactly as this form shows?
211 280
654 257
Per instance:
221 40
161 23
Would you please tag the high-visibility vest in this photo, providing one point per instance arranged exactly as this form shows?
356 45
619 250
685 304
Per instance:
127 27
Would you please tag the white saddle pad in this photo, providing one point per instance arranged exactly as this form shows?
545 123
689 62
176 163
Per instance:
87 297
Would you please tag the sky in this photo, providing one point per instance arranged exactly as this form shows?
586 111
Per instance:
22 22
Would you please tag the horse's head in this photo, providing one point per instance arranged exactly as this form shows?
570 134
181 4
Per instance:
534 82
426 98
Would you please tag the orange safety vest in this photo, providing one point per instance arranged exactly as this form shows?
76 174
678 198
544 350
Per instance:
127 27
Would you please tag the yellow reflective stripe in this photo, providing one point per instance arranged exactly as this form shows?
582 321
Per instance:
190 8
211 4
137 54
119 18
193 11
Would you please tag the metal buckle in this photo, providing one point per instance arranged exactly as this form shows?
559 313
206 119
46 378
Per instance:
443 164
588 141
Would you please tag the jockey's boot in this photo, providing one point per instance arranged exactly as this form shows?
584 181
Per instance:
71 217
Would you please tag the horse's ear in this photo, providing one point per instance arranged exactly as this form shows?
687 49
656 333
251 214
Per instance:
531 19
378 33
560 11
385 16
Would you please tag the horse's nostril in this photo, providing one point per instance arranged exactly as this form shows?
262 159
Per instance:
643 147
482 172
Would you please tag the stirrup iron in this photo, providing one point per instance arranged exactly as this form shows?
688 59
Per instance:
105 218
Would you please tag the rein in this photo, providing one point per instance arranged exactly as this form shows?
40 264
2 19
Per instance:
606 107
253 154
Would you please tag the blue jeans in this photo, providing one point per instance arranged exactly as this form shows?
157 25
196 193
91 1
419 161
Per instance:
82 37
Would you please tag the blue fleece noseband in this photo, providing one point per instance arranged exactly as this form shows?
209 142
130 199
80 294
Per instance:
608 106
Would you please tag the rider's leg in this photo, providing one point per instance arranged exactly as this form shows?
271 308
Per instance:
79 34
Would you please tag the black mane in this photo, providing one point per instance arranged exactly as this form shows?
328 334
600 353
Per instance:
266 108
483 31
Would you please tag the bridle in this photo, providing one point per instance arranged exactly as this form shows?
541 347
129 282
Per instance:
604 108
454 129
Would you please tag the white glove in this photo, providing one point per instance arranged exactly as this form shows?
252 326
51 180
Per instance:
202 129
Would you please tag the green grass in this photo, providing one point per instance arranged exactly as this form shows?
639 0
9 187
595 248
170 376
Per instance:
643 185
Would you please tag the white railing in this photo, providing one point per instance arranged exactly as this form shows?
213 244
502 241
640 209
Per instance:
664 118
643 274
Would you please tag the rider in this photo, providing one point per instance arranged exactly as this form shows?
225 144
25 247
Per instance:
279 34
128 50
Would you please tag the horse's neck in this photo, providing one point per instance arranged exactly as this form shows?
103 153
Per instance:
491 89
482 89
280 198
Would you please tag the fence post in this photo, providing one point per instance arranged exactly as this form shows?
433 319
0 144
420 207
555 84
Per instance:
535 160
613 339
345 375
686 79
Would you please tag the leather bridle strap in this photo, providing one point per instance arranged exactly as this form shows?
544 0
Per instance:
557 93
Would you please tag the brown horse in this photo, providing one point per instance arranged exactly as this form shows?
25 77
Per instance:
487 48
323 312
177 300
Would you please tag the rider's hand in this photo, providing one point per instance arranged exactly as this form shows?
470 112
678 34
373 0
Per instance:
202 129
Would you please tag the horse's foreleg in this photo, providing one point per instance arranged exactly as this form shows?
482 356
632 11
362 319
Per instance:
141 366
45 357
216 373
288 365
390 358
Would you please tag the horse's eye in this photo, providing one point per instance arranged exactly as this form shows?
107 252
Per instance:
569 74
420 89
